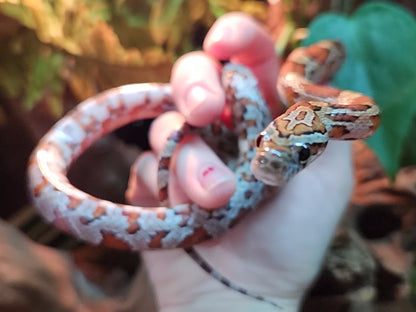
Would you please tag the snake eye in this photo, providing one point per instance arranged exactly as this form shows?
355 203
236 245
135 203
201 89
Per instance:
259 139
304 154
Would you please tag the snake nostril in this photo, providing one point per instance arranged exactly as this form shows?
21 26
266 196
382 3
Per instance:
262 160
275 164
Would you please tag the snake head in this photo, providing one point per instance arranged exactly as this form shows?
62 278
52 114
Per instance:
278 159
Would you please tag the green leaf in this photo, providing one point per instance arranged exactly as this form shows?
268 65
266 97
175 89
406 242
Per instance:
134 19
44 76
380 39
217 8
164 15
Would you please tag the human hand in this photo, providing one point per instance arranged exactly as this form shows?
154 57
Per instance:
277 250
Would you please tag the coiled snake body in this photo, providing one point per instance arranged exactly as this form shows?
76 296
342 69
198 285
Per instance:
282 148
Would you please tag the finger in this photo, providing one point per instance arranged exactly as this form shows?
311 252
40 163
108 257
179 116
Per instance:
239 38
196 88
200 173
142 189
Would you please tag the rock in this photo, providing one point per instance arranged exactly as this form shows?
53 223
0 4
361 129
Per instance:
36 278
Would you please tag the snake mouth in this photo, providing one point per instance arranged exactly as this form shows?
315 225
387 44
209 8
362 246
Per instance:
273 167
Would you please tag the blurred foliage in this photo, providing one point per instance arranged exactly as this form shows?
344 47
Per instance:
378 65
91 45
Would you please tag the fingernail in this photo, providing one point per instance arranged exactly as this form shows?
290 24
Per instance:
213 177
196 96
221 34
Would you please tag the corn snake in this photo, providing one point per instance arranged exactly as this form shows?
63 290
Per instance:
286 145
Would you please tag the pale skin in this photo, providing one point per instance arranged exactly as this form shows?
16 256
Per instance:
277 250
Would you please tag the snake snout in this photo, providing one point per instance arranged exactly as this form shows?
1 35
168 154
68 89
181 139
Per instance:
272 167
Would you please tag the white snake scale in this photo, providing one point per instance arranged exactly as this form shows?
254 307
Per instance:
283 147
